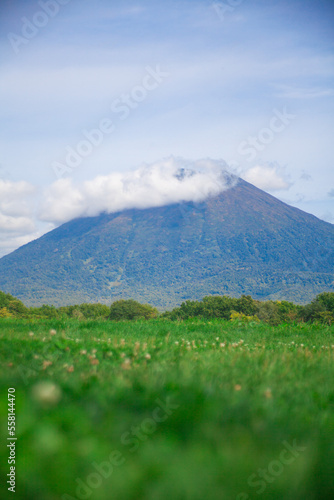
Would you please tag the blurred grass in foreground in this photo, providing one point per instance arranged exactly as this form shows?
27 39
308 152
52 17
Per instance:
169 410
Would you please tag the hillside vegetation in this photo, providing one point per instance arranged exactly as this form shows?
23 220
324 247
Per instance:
243 309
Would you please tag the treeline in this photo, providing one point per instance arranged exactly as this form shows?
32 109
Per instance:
246 309
243 309
11 307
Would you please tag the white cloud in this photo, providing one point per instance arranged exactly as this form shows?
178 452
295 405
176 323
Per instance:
16 224
17 206
168 181
267 177
16 199
13 197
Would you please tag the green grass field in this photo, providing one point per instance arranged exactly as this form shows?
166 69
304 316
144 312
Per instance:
161 410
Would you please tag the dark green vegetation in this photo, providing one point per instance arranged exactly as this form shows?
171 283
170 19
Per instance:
160 409
243 309
131 310
243 241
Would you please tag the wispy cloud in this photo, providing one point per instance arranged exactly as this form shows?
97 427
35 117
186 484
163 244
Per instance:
17 215
267 177
15 200
304 93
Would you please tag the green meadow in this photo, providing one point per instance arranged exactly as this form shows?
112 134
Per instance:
160 409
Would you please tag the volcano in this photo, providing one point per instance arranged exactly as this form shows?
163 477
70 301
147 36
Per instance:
243 241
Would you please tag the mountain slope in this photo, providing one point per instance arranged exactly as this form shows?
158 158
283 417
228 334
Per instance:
242 241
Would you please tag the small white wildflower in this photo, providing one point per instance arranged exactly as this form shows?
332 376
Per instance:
126 365
46 393
268 393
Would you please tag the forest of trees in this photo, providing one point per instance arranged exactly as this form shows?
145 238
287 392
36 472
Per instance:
243 309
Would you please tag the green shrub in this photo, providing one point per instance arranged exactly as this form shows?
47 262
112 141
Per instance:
131 310
13 306
214 307
326 299
316 312
86 311
4 313
243 318
45 311
246 305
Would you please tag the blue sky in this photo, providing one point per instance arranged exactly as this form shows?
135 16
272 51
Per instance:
248 82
